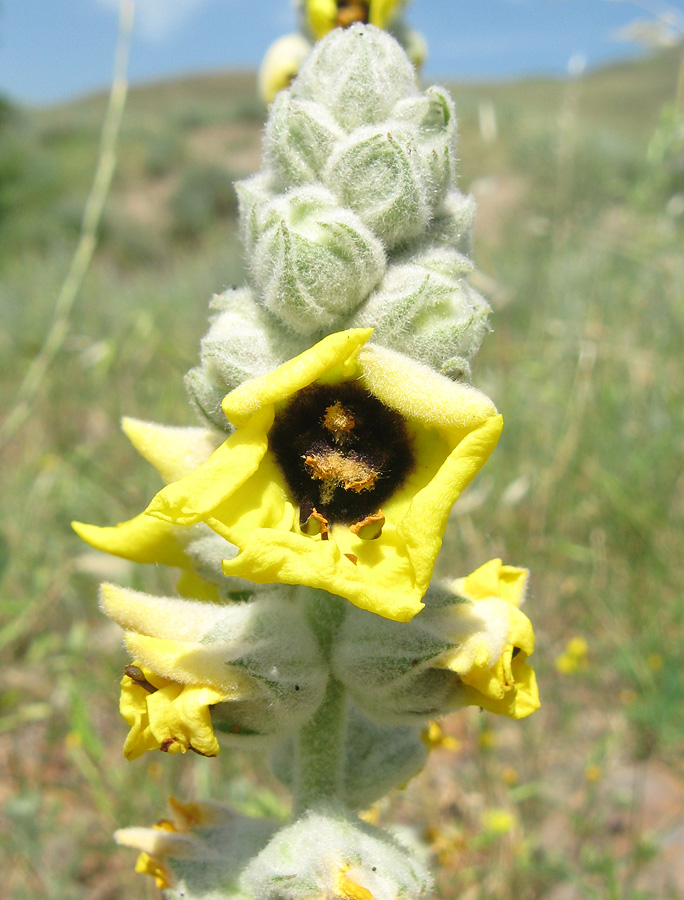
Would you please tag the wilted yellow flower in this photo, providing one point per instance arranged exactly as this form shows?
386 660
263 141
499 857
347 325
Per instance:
165 715
255 666
340 475
502 682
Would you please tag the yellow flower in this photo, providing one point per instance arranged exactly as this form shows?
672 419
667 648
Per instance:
281 65
321 16
496 678
165 715
255 665
340 475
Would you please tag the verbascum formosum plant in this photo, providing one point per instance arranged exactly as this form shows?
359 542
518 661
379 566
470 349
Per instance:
306 512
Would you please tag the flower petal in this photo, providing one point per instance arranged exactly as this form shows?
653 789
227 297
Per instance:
187 501
330 360
142 539
174 452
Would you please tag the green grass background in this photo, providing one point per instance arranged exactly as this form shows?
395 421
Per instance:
579 243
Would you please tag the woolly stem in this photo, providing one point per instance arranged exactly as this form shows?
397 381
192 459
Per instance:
319 746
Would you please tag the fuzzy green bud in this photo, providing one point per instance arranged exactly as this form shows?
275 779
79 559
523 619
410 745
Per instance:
426 308
328 853
314 261
357 74
300 136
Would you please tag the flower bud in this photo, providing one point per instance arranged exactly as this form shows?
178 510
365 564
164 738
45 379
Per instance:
314 262
375 173
300 136
433 117
199 850
425 306
329 854
468 646
452 225
358 74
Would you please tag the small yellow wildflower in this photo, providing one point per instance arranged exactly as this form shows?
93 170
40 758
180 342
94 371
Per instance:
498 821
509 776
434 737
654 662
593 773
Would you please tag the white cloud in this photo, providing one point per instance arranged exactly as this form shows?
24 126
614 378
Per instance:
157 20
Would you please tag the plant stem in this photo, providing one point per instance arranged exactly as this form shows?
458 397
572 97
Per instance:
319 754
319 746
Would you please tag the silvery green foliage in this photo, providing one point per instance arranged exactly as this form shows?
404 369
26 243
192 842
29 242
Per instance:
378 758
395 671
207 551
307 860
354 220
269 640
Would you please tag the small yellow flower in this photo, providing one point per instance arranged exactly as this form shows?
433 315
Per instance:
655 662
340 475
498 821
593 773
434 737
577 647
509 776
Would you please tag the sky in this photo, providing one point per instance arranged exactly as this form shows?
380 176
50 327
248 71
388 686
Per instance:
52 50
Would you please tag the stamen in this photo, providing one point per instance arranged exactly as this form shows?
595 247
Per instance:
137 675
339 422
353 557
336 469
370 528
315 523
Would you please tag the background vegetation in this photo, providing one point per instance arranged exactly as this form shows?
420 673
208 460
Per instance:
579 242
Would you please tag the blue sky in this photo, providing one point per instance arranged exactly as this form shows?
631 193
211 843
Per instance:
54 49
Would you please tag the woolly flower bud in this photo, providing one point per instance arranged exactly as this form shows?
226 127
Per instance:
377 758
425 307
314 262
300 136
250 670
242 343
468 646
375 173
452 225
357 74
199 850
328 854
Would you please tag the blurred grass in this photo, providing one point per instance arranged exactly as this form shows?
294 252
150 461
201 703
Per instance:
579 240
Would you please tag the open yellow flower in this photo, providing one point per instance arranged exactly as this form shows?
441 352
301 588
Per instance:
322 16
503 684
340 475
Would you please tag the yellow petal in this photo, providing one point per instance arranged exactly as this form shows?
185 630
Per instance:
519 702
187 501
383 11
493 579
174 452
180 718
281 64
423 526
143 539
330 360
171 618
190 664
321 17
381 580
193 587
